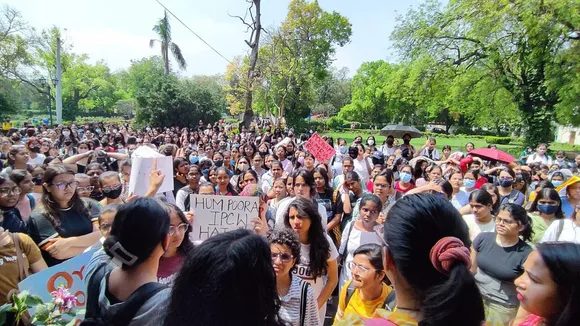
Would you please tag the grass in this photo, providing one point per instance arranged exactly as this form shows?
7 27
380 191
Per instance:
457 144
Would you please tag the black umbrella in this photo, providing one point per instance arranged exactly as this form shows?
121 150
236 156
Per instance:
398 131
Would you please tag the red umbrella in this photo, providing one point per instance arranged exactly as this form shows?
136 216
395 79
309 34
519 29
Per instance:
492 154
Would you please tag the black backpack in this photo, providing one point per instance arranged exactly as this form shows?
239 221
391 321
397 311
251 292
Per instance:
123 316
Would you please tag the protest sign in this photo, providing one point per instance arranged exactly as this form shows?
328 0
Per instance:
141 169
220 214
69 273
319 148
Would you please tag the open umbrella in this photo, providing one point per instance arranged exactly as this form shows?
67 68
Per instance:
398 131
492 154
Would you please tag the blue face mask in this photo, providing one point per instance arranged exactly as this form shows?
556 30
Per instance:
343 149
468 183
557 183
547 209
405 177
505 182
194 159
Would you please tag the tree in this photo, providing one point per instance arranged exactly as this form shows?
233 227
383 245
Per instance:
516 48
15 41
163 30
295 58
9 101
255 28
174 102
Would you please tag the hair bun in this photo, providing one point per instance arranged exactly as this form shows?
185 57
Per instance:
446 252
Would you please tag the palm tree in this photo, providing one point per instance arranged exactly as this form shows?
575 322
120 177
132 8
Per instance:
163 29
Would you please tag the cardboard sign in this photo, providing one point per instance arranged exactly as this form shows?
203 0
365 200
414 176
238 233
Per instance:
220 214
69 273
319 148
141 168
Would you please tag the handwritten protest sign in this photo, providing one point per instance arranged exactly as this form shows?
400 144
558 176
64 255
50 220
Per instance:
220 214
141 169
69 273
319 148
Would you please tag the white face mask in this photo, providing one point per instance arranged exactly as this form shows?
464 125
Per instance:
66 133
371 142
243 167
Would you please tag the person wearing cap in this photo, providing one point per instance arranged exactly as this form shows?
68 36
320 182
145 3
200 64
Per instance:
429 150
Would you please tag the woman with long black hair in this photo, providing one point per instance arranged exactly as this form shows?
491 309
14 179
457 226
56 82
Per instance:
62 226
318 253
548 290
227 280
497 260
178 247
544 210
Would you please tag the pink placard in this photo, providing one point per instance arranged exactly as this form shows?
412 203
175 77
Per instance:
319 148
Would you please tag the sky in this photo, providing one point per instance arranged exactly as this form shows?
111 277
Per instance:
119 31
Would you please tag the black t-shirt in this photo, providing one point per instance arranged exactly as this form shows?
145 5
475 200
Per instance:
177 185
501 263
72 224
339 209
325 198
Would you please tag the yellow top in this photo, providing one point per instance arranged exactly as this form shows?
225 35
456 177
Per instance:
356 306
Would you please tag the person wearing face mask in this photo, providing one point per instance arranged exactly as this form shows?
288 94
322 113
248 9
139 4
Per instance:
340 152
68 150
545 209
407 150
111 187
371 143
540 156
561 160
33 146
507 193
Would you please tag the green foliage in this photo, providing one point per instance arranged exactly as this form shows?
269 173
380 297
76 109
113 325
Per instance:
163 31
9 102
498 64
173 102
335 123
498 140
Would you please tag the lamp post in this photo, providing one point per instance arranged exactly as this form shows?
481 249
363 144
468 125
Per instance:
43 83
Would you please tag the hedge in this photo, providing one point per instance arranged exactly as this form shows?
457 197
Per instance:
498 140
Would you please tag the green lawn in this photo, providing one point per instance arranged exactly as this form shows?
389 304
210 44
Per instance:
457 144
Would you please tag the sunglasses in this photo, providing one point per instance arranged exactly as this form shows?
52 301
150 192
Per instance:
284 257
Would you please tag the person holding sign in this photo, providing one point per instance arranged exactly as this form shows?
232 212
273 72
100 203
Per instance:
318 253
63 224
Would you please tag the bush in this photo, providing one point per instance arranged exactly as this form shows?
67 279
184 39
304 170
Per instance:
335 123
498 140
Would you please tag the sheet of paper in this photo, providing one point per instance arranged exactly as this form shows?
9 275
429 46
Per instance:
220 214
141 169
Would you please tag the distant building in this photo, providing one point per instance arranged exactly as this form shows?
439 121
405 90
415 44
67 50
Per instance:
568 135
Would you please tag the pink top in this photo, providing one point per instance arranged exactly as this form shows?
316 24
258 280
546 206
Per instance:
532 320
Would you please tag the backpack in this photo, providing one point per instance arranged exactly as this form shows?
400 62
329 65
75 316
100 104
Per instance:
123 316
32 201
560 229
389 303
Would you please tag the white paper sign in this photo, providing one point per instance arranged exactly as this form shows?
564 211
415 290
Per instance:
220 214
141 168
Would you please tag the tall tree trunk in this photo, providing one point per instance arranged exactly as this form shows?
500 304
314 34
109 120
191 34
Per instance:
254 44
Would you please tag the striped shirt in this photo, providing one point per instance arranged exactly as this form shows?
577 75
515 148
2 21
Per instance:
290 309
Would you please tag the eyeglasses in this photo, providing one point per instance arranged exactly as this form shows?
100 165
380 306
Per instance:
181 228
105 227
5 192
85 189
63 185
284 257
506 221
353 266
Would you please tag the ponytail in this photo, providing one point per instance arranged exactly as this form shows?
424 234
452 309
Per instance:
456 301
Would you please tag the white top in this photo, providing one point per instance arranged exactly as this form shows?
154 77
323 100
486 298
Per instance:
360 168
283 208
356 238
290 308
570 232
303 271
475 227
38 160
535 158
389 151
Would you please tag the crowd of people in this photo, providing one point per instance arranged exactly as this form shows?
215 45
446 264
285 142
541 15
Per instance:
384 234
